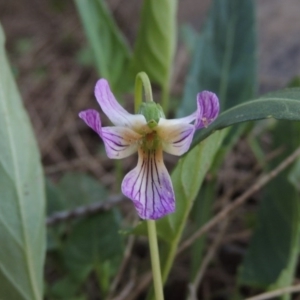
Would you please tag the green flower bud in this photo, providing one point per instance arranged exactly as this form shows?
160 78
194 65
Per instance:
152 113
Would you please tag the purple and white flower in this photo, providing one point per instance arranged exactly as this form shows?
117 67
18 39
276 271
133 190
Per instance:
148 185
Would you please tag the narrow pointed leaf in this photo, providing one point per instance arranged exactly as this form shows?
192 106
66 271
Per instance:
155 44
22 200
224 61
224 57
111 52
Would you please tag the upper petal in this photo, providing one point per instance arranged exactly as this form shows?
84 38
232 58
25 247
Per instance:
114 111
207 109
176 138
92 119
119 142
149 186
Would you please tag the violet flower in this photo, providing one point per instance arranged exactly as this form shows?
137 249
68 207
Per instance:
148 185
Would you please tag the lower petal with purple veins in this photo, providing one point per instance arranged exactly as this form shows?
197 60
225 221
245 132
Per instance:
149 186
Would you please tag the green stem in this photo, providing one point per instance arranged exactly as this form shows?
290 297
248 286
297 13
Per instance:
142 81
158 286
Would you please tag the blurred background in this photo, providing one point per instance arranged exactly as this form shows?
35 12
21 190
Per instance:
55 72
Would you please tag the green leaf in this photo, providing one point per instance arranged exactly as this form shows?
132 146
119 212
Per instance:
224 59
22 203
77 189
110 49
92 242
271 259
72 191
188 176
155 45
281 105
65 288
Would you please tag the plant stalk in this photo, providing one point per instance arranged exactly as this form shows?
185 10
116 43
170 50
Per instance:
156 273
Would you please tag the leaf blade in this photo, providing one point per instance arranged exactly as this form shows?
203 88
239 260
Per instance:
158 27
111 52
224 56
22 203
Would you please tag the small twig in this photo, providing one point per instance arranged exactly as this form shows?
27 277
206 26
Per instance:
276 293
207 259
240 200
193 286
64 165
253 174
143 283
126 257
237 236
126 291
82 211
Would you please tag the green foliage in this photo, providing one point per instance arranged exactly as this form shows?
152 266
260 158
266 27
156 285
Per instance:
91 244
223 61
111 53
187 179
22 203
155 45
224 56
80 189
104 244
189 174
272 255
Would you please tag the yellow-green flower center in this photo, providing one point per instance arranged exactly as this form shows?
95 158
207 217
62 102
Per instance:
150 141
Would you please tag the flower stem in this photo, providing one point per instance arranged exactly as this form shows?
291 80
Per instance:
158 286
142 81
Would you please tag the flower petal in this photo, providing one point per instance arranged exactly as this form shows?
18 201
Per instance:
114 111
119 142
176 138
207 109
149 186
92 119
